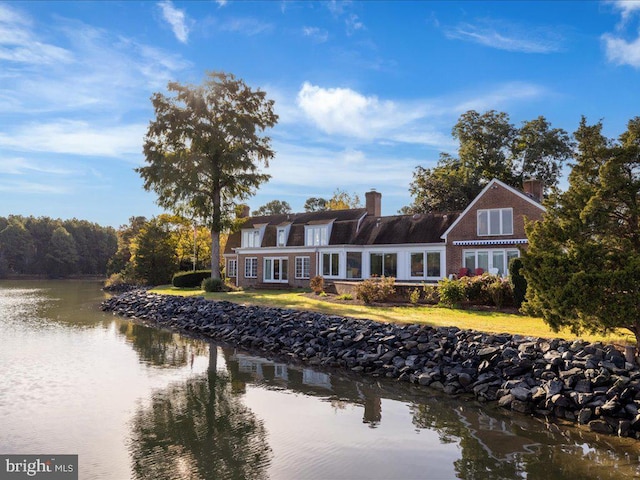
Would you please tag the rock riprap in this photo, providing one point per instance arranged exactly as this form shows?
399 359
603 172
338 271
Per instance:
588 383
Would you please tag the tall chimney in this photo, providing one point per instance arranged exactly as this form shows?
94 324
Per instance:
373 203
532 187
243 211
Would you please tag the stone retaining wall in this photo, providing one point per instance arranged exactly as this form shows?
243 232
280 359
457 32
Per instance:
591 384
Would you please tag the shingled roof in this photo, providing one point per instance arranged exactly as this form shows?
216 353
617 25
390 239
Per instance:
351 227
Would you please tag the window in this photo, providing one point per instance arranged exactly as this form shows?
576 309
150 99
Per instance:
275 269
251 267
282 236
417 264
232 268
498 221
317 236
433 264
354 265
251 238
330 264
488 259
302 267
384 265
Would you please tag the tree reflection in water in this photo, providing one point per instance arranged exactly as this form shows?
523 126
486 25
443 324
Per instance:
199 429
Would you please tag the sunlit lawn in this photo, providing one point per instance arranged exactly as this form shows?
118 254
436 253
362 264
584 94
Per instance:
495 322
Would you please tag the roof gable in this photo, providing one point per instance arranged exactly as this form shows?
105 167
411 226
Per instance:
489 185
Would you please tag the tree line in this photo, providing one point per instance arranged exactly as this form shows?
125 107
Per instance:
54 247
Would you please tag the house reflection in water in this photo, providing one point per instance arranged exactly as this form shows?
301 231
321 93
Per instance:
246 368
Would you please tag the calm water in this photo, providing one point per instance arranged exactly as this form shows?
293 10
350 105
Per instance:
141 403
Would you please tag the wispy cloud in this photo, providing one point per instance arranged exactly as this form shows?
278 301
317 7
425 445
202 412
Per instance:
509 37
353 24
33 188
619 50
177 19
22 166
246 26
318 35
77 138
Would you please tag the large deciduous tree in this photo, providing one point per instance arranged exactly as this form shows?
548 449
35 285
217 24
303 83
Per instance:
489 147
583 258
274 207
205 149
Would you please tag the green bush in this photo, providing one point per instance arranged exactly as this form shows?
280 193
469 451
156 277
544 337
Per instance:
190 279
500 292
431 294
212 285
345 296
476 289
414 296
376 289
518 282
317 284
452 292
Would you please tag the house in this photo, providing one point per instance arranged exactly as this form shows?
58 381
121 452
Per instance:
360 243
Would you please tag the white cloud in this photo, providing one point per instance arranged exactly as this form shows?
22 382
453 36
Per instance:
77 138
343 111
221 3
354 24
512 38
500 96
621 52
177 19
627 7
22 166
33 188
246 26
318 35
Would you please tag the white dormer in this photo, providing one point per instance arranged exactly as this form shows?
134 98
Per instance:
317 235
252 237
282 234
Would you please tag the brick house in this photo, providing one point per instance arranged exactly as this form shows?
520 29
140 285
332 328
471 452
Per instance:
360 243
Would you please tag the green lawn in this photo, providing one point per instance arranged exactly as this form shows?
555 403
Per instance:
494 322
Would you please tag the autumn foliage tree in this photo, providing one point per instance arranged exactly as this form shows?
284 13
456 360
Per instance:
205 149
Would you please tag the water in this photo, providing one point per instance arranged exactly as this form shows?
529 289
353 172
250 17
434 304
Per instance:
141 403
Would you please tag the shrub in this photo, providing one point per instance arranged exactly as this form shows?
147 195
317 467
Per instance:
317 284
476 288
212 285
500 292
345 296
115 280
376 289
431 294
452 292
190 279
414 296
518 282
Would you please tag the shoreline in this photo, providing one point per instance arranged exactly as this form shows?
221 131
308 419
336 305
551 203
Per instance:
584 383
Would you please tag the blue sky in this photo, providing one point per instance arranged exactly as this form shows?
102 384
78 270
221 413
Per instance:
365 91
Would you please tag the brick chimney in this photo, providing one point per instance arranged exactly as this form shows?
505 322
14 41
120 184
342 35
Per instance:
532 187
243 211
373 203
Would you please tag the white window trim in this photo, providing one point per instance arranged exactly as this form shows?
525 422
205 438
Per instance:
424 275
264 270
490 252
232 272
337 274
259 229
488 212
323 242
247 262
303 260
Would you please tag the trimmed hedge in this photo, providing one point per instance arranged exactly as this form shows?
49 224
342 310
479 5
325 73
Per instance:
190 279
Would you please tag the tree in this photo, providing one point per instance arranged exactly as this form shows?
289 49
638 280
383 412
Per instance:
205 149
489 147
341 200
583 258
62 254
154 253
16 246
274 207
315 204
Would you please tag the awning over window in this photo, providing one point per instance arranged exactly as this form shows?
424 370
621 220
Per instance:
511 241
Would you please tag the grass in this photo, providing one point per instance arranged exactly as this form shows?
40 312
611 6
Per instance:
485 321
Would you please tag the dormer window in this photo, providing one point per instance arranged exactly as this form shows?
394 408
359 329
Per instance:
282 233
496 221
316 235
251 238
